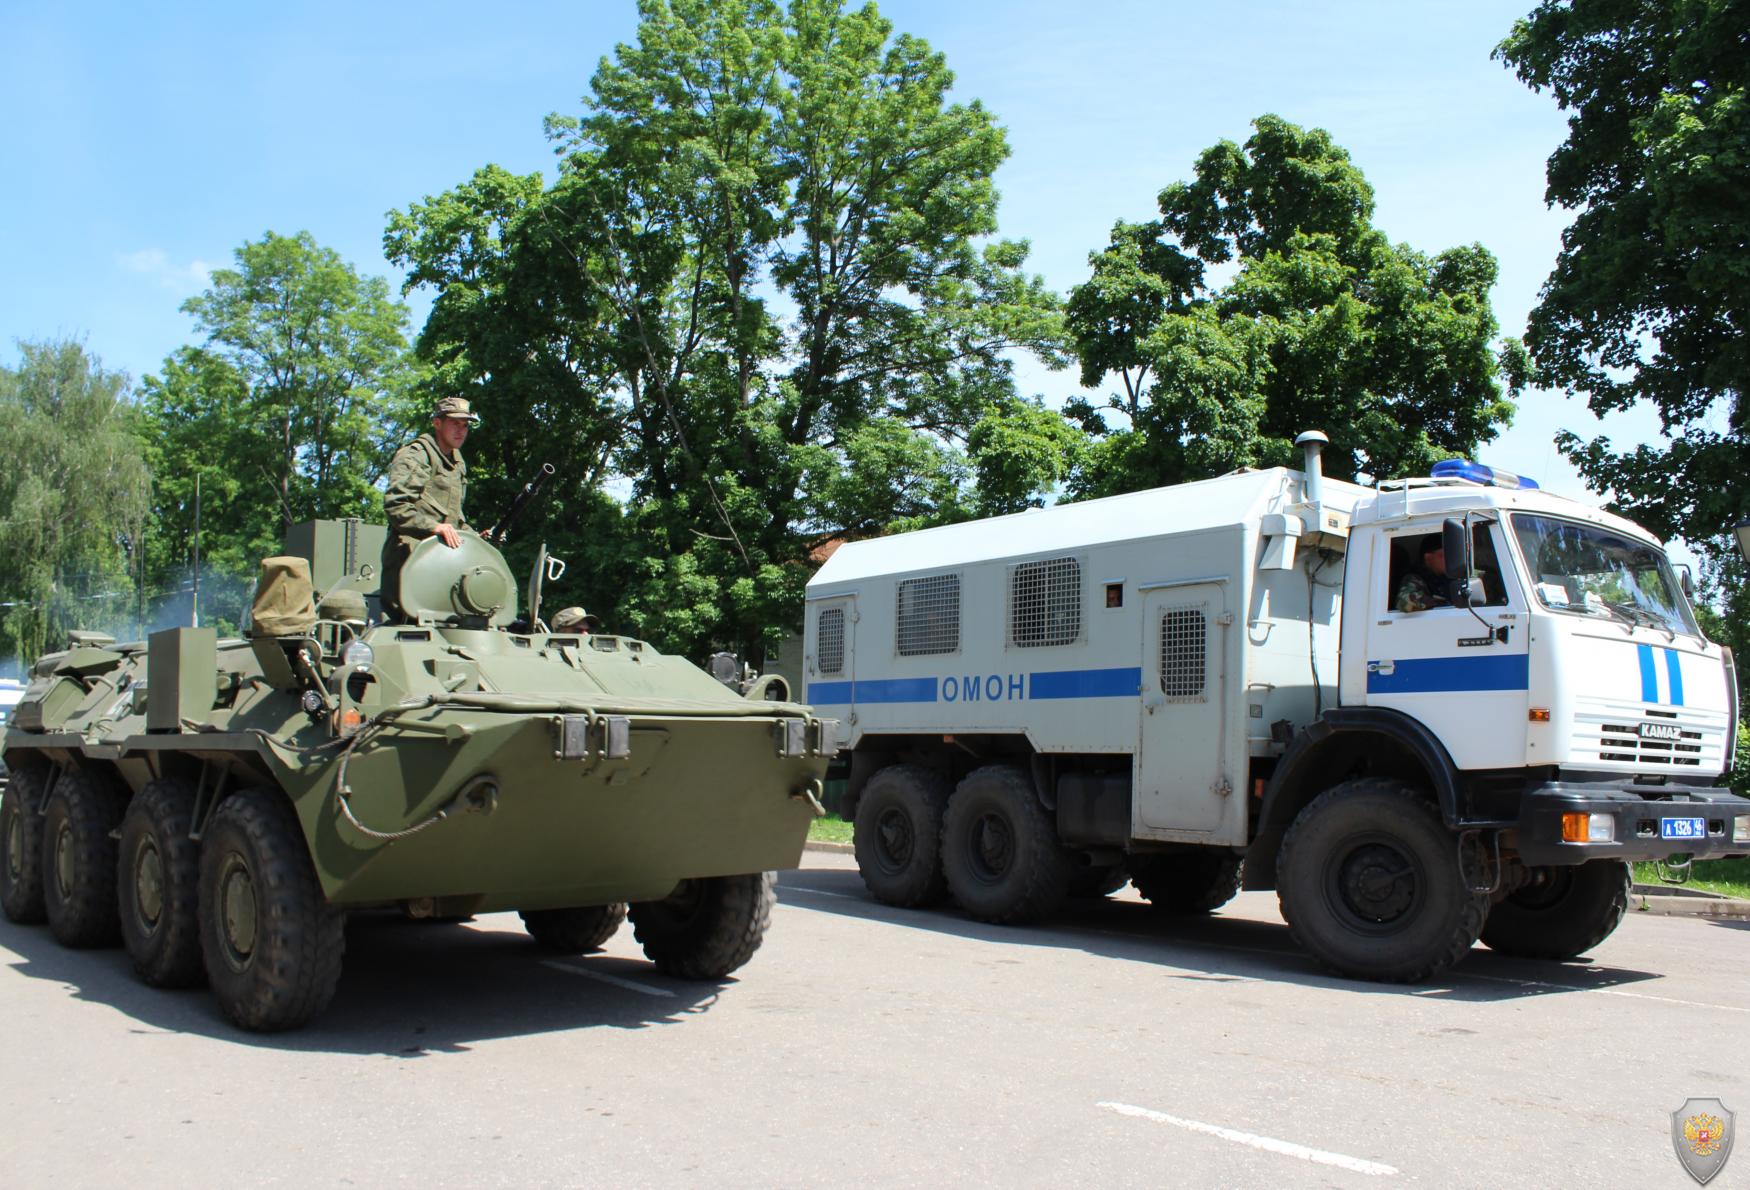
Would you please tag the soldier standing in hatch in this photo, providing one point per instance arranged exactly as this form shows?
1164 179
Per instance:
427 480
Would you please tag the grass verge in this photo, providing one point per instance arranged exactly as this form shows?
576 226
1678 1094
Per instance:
831 829
1729 876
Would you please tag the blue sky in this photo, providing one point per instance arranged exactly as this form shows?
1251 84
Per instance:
143 143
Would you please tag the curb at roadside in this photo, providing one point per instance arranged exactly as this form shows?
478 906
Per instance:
1686 902
838 848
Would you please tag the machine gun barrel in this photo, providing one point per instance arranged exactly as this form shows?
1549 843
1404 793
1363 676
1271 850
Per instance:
530 490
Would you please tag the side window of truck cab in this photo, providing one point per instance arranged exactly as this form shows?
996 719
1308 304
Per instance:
1415 583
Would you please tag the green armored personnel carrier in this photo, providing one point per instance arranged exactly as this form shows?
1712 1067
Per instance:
218 805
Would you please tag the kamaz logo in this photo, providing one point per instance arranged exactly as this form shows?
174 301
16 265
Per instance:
1661 731
984 687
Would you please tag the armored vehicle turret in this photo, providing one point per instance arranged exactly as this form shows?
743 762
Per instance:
218 805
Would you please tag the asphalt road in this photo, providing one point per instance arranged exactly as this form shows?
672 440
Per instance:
871 1046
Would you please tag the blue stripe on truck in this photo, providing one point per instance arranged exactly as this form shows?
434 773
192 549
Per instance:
830 694
1649 675
1124 682
1431 675
1086 683
1675 670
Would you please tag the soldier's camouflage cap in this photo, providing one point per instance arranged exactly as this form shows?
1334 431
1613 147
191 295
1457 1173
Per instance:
455 407
573 618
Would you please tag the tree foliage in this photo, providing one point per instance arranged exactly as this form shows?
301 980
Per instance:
288 410
1649 300
74 494
1321 323
763 289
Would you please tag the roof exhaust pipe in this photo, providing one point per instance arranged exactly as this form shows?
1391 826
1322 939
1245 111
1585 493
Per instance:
1313 443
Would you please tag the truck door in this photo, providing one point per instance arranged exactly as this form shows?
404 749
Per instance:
829 664
1446 667
1182 782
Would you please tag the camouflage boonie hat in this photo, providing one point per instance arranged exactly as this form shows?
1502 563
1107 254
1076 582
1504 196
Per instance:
455 407
572 619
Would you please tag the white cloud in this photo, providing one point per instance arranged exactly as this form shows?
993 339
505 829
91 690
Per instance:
156 264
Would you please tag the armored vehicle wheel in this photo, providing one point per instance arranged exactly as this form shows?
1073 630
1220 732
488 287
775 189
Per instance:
1087 881
79 859
1562 913
158 886
271 944
1187 881
1369 883
898 836
21 830
708 927
1000 850
573 931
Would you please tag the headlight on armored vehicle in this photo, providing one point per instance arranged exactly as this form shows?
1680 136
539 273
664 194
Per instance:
357 653
1741 829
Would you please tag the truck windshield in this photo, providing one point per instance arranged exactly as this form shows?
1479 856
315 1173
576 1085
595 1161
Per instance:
1590 570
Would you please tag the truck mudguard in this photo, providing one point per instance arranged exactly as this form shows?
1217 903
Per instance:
1343 742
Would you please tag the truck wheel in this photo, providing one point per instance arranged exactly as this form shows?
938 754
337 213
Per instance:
999 848
706 928
158 886
21 828
1370 884
1563 913
1187 881
79 856
271 943
898 836
574 931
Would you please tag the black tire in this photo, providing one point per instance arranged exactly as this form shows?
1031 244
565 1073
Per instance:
1095 882
573 931
898 836
1563 913
21 836
1187 881
271 943
708 927
1369 883
158 886
1000 851
79 852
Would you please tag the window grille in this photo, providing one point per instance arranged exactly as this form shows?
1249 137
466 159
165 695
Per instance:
1184 634
928 611
1045 603
831 626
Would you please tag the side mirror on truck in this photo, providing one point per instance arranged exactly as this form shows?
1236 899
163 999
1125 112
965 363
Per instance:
1456 543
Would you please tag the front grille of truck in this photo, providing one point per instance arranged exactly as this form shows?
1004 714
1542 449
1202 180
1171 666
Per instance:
1623 742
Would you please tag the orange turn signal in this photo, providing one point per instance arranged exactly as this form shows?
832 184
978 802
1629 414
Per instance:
1574 828
1540 714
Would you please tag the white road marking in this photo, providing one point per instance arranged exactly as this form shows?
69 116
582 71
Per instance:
631 985
819 892
1569 987
1269 1144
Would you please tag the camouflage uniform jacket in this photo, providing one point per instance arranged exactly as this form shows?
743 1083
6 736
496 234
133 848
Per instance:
1420 591
426 488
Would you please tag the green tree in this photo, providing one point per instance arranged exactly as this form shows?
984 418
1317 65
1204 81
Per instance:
763 288
288 409
1324 324
1649 300
74 494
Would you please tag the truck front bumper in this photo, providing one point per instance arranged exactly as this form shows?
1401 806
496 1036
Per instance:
1563 822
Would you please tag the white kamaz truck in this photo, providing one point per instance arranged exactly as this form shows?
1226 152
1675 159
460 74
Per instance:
1184 685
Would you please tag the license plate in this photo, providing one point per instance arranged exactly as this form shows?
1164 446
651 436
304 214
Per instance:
1683 828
